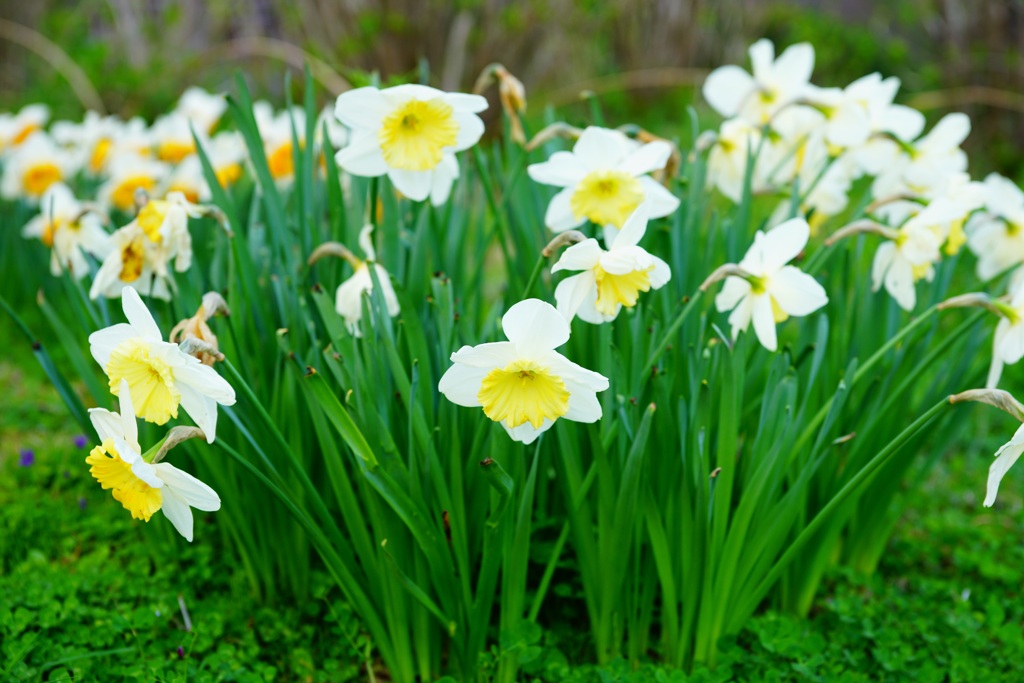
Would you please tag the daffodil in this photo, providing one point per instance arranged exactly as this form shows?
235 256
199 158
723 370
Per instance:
926 163
91 140
202 108
411 134
1008 454
227 154
127 173
141 486
727 161
774 84
771 291
1008 341
143 250
187 179
523 383
612 278
17 128
171 136
279 132
996 233
914 249
33 166
70 229
160 376
604 179
349 298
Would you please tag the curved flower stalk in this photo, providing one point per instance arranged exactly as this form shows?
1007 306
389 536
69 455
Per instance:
33 166
139 482
612 278
912 251
995 234
144 249
774 83
349 298
411 134
771 291
160 375
70 229
523 383
605 178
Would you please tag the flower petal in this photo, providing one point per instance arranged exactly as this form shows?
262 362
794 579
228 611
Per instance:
362 108
559 216
139 316
562 169
784 243
658 200
726 88
188 488
362 156
600 148
572 292
764 322
647 158
1005 458
413 184
796 292
535 324
580 256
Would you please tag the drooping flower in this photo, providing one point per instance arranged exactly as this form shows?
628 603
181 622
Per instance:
523 383
996 233
160 376
911 255
69 229
605 178
142 487
1006 457
411 134
349 298
774 84
33 166
612 278
772 291
144 249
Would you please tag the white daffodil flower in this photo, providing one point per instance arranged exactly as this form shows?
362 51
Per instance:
128 172
523 383
143 488
227 154
143 250
773 291
887 122
187 179
727 160
926 163
1006 456
996 233
911 256
605 178
349 299
159 375
17 128
1008 341
775 83
202 108
611 278
171 135
70 230
33 166
411 134
90 141
276 131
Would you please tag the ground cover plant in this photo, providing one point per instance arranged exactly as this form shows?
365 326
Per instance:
704 398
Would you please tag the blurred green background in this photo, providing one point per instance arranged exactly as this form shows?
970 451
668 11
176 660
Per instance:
643 58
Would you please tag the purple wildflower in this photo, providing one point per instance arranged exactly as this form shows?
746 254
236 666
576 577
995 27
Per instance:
81 503
81 441
27 457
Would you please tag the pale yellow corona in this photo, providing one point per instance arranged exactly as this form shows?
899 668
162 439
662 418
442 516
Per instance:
112 472
39 177
620 290
150 381
607 197
522 392
414 136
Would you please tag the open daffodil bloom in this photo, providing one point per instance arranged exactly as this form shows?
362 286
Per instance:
143 487
159 376
411 134
524 383
604 179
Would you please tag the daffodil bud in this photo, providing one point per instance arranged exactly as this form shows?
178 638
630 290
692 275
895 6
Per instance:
195 337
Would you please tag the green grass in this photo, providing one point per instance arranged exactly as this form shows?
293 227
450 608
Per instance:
86 592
